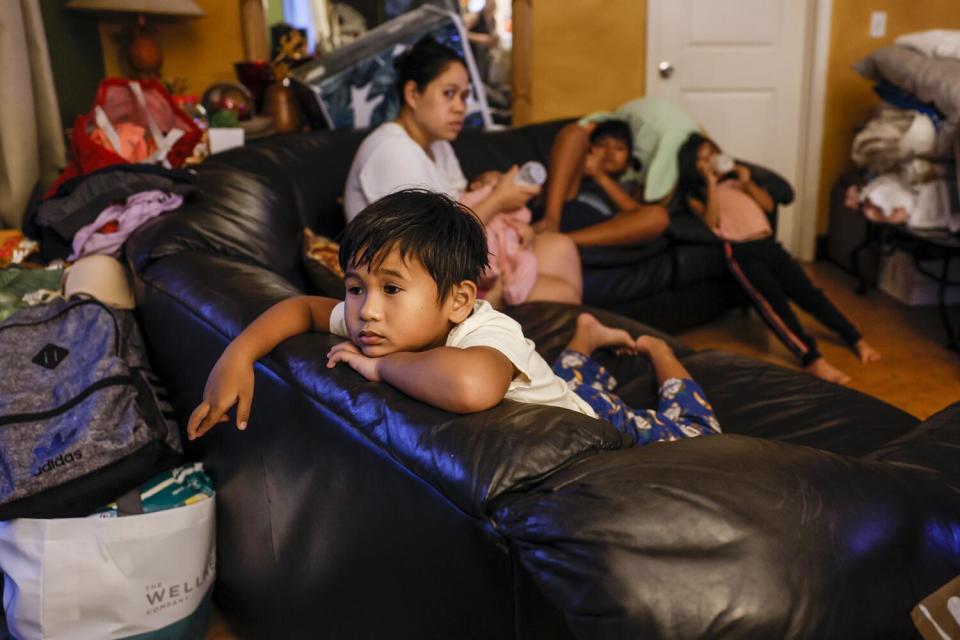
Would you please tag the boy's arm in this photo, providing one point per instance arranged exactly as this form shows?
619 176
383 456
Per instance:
642 224
449 378
231 380
610 186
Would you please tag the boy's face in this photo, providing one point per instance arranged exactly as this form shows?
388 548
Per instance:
614 154
394 307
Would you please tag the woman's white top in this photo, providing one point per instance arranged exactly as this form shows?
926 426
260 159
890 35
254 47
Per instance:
389 160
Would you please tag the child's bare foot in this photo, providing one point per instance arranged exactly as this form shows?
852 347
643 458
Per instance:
866 352
823 369
649 344
591 334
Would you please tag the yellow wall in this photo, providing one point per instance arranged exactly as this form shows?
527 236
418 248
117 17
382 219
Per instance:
576 56
200 50
849 97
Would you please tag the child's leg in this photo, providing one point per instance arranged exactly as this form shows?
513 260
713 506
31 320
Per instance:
580 370
684 410
748 265
592 383
798 287
801 290
750 268
575 361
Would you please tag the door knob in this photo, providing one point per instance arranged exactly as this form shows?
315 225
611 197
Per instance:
665 69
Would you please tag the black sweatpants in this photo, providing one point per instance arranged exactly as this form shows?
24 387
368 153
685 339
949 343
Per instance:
771 278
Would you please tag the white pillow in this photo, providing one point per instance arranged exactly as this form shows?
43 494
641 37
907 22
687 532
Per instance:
936 43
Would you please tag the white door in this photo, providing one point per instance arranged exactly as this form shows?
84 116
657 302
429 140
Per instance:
737 66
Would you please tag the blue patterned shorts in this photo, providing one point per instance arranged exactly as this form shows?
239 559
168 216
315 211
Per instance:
682 411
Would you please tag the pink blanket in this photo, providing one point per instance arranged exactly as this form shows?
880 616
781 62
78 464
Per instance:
515 266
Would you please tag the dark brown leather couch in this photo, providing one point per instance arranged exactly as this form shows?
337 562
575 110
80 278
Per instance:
348 510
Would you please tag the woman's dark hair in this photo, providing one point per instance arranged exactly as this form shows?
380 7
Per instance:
443 235
424 62
691 183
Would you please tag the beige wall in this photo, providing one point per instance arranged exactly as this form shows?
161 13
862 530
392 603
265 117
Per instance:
200 50
849 97
576 56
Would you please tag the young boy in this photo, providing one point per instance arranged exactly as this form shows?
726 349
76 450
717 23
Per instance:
599 210
412 319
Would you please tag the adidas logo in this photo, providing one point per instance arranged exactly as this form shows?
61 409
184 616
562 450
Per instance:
61 460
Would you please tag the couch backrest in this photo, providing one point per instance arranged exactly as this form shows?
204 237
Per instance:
256 200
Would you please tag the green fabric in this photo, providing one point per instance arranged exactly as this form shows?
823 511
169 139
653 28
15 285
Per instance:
659 129
16 282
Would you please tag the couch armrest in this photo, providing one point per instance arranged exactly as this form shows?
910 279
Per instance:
934 446
734 537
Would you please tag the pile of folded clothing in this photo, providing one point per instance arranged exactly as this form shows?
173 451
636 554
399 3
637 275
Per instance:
908 146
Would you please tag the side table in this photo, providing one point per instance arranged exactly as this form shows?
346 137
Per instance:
922 245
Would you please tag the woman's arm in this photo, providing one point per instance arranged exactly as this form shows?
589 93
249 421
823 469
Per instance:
508 195
755 191
566 170
449 378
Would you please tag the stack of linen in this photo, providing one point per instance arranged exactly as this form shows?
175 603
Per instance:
909 144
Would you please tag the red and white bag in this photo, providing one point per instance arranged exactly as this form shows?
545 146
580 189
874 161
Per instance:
131 120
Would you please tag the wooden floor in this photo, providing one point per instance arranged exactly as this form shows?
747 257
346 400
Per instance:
917 372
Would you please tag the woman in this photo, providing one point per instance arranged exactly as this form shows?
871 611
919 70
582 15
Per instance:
415 151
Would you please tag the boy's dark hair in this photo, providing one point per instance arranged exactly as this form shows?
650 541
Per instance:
446 237
616 129
424 62
690 182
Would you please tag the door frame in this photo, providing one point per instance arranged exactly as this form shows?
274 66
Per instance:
803 240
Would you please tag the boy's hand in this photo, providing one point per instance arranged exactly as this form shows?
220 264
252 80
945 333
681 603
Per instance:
592 163
349 354
230 382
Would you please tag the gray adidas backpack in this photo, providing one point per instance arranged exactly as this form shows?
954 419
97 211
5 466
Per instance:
81 417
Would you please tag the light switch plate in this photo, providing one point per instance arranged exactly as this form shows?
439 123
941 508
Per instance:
878 24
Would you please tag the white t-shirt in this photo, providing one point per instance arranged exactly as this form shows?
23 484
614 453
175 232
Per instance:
389 160
536 383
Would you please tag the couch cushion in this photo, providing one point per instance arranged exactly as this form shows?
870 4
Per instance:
767 401
698 262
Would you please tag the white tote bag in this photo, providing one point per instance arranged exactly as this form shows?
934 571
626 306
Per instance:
144 576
